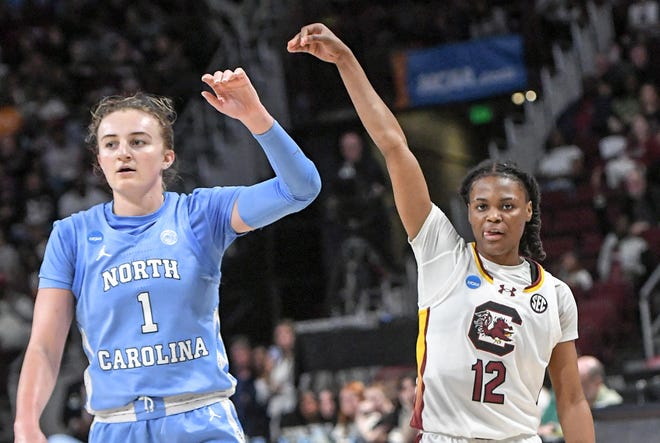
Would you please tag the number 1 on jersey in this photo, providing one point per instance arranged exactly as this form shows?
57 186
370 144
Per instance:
149 325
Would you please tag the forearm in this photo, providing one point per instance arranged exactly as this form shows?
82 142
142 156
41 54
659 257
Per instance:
37 381
377 118
577 423
290 164
296 185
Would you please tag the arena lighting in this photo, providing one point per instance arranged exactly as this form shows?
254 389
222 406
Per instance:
480 114
530 96
518 98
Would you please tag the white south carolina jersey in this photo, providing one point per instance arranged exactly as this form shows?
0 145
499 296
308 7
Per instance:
147 295
486 334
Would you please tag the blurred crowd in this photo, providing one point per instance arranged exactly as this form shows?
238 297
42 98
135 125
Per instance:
54 65
275 402
600 177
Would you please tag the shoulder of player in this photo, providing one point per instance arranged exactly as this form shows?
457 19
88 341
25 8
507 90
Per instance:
559 285
75 218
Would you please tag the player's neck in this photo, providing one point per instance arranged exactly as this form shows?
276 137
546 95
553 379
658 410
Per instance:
131 206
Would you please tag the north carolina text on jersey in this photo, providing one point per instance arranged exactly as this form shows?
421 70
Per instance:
140 270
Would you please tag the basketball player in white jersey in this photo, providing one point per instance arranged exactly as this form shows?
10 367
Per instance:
142 273
491 319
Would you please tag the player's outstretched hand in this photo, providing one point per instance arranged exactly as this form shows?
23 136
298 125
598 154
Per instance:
321 42
234 96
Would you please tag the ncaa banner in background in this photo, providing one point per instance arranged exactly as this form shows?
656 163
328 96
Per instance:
459 72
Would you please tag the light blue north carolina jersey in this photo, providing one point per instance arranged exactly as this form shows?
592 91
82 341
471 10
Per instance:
147 299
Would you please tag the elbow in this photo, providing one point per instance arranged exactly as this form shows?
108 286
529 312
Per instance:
392 141
312 188
302 195
315 185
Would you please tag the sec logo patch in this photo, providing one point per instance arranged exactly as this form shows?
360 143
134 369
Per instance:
538 303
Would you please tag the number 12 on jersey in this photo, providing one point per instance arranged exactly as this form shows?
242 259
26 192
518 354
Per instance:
486 392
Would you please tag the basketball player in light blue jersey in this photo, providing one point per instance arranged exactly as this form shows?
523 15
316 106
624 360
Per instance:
141 273
491 319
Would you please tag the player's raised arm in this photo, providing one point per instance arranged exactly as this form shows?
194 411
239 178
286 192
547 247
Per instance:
411 194
297 182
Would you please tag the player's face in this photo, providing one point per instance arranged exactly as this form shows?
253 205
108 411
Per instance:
132 153
498 210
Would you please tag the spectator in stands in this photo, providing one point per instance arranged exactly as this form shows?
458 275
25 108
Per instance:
62 158
592 377
632 194
38 200
282 374
641 63
250 408
355 206
262 365
613 161
561 165
624 254
79 196
305 413
403 432
573 273
643 145
649 104
10 262
328 407
350 397
625 104
13 158
587 116
640 201
376 414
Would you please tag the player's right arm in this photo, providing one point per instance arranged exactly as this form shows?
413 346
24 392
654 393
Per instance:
53 313
411 195
574 413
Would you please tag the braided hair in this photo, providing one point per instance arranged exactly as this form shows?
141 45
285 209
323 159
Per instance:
530 242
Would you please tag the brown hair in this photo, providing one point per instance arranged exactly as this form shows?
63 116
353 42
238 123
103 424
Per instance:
354 387
161 108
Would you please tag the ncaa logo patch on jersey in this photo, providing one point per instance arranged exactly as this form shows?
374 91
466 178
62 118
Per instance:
95 237
168 237
493 326
472 282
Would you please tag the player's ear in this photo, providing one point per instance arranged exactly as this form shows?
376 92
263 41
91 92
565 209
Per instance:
168 158
529 210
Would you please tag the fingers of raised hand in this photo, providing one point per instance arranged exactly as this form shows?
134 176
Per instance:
306 36
224 78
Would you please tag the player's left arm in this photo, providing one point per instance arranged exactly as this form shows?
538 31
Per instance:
572 407
297 182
